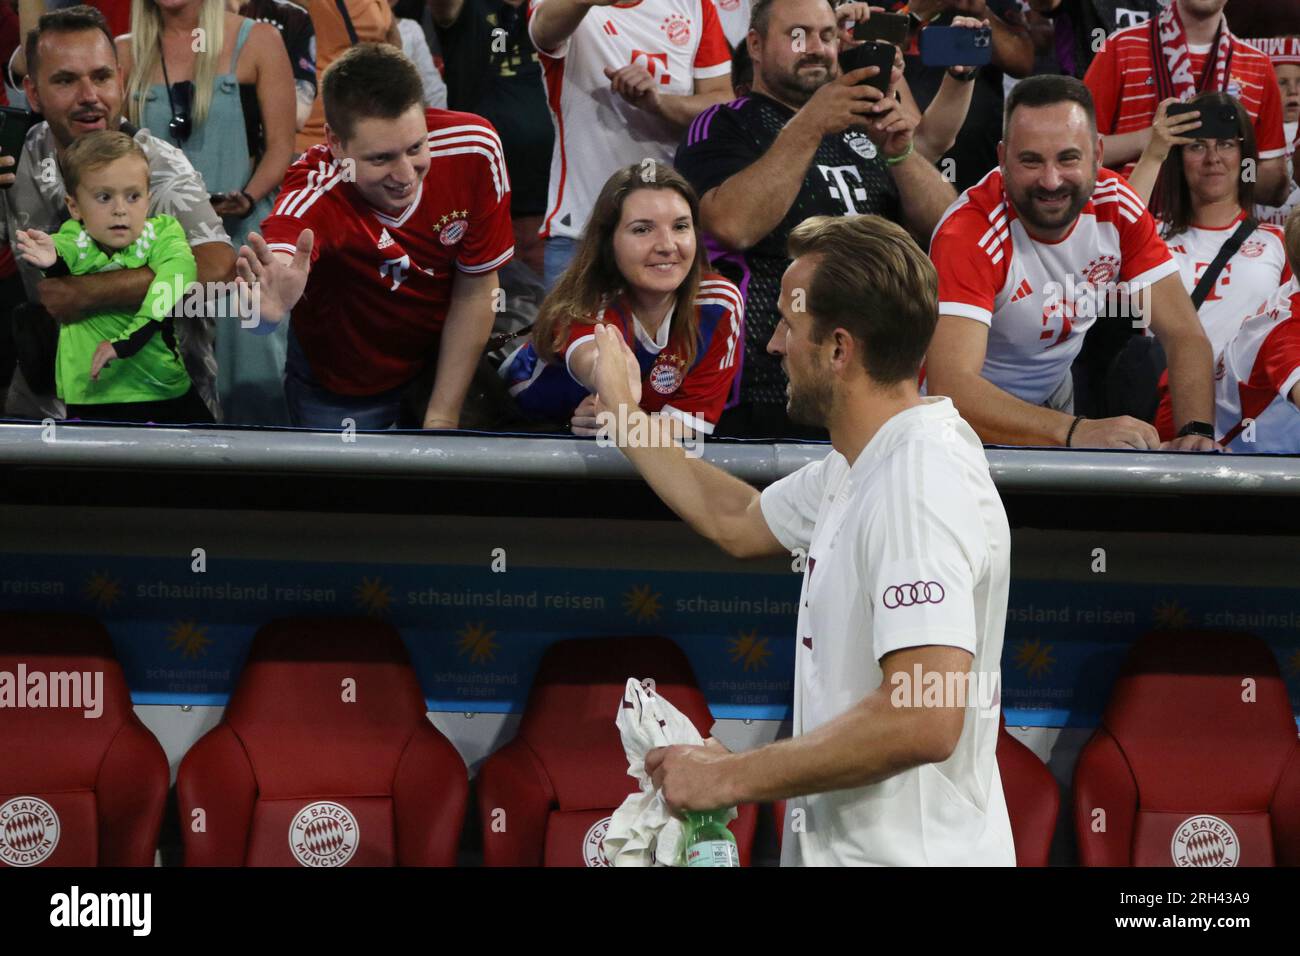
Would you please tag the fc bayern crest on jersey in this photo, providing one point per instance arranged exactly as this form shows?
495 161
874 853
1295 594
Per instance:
453 232
29 831
678 29
1101 270
861 144
593 844
1253 248
324 834
1205 841
666 376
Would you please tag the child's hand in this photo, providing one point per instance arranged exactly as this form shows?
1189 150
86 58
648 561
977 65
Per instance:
104 354
36 248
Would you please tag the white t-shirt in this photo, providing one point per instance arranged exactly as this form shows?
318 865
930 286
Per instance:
596 130
1255 375
1277 215
1247 279
1039 298
908 547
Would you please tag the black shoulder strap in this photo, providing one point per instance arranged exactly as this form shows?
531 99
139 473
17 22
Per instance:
1228 250
347 22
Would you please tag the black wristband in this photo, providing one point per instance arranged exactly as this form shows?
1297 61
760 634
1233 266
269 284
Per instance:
1069 436
964 77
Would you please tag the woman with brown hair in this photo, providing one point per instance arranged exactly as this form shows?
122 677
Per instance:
641 267
1205 196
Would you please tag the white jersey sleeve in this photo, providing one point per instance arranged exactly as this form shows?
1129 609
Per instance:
790 506
925 553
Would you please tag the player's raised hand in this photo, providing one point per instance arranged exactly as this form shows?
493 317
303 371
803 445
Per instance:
279 284
36 248
618 374
1123 431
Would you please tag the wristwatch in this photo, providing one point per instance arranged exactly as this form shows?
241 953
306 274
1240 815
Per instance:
1202 429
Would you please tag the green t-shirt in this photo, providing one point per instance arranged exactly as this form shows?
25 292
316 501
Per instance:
148 372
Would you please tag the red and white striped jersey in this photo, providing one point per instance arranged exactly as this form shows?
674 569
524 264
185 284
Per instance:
380 286
1039 298
597 131
1122 81
1255 375
1247 279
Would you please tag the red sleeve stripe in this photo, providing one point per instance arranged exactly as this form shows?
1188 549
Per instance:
485 144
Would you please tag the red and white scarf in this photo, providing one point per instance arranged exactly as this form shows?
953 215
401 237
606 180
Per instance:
1173 71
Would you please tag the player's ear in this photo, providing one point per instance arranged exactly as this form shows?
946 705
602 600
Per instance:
73 211
332 140
1002 154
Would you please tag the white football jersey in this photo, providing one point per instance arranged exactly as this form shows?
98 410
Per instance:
1254 378
908 547
1039 298
597 131
734 16
1247 279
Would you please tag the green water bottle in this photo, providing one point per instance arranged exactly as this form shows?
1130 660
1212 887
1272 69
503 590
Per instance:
708 841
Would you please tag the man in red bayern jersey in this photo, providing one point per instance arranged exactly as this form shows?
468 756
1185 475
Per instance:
385 244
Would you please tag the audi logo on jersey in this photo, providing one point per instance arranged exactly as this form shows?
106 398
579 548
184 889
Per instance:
906 595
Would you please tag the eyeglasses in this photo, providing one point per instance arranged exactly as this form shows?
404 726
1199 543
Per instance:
1201 146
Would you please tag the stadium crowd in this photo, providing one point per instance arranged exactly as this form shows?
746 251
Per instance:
415 213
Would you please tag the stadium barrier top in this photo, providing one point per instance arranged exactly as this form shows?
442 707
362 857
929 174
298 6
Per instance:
476 454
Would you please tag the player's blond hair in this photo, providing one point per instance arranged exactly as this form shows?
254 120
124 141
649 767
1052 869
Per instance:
873 280
94 151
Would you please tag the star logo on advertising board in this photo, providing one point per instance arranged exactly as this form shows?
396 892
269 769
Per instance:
373 596
477 641
642 603
103 589
190 639
1035 658
1170 616
751 649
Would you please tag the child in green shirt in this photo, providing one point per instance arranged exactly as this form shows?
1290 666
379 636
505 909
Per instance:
116 365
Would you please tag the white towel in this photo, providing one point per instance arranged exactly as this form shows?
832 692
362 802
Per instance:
643 832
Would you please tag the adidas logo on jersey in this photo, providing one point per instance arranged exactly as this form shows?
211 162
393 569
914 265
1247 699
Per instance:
1024 291
385 240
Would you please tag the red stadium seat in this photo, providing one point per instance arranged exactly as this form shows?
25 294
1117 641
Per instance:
546 797
324 758
75 790
1033 800
1196 761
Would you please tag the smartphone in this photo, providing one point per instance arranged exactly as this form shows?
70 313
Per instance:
956 46
889 27
14 124
874 53
1217 122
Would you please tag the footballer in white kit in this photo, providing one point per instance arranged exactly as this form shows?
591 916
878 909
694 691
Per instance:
905 580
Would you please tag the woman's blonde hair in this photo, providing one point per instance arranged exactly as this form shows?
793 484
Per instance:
146 55
593 279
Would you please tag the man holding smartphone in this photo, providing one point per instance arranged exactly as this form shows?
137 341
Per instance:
807 141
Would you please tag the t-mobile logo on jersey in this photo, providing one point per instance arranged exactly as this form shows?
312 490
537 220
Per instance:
656 64
396 270
1224 280
1125 18
841 188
